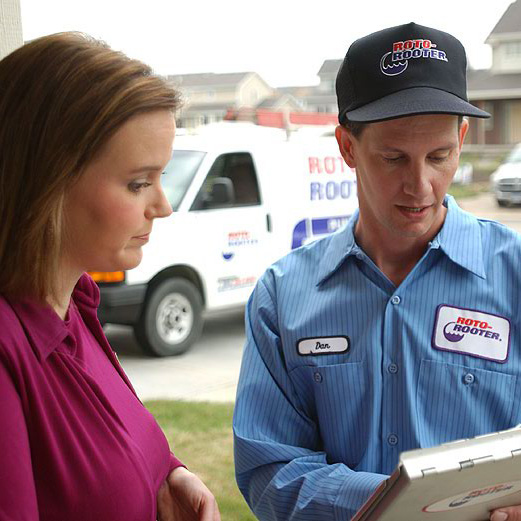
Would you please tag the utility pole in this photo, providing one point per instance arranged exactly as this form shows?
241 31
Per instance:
10 26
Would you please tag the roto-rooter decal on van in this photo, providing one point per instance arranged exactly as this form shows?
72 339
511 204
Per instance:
310 229
237 240
471 332
474 497
231 283
331 178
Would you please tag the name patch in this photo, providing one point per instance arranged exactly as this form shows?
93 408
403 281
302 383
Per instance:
323 345
471 332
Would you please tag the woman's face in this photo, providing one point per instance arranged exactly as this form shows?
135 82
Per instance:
108 213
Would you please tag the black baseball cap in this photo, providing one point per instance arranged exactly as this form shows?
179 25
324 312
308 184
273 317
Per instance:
402 71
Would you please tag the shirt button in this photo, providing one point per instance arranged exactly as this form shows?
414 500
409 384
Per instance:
468 378
317 377
396 300
359 255
392 439
392 368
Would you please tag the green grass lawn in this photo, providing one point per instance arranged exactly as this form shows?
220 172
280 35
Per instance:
470 190
200 434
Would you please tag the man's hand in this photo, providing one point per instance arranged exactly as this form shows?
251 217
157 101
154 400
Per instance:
184 497
507 513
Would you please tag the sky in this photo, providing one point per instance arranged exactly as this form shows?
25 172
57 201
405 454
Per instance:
285 41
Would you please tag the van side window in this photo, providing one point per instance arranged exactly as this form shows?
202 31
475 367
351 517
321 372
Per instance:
231 182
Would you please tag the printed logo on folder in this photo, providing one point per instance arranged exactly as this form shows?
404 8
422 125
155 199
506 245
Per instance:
474 497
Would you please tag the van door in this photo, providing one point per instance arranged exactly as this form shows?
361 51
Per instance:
232 219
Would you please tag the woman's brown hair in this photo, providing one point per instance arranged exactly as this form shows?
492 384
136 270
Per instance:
61 98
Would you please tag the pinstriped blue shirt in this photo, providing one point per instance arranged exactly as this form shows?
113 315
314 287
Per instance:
435 359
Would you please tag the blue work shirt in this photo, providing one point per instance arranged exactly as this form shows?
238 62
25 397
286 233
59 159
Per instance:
342 370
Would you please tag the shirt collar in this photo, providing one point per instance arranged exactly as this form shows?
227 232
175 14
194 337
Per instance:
45 330
342 245
459 239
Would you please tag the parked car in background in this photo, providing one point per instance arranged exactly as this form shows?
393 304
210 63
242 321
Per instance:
242 196
505 182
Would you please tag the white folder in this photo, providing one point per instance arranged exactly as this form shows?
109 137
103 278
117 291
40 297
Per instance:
458 481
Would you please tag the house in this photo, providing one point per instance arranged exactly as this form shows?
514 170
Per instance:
245 96
322 97
498 89
208 97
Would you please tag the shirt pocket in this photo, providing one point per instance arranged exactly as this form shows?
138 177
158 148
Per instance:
336 397
456 401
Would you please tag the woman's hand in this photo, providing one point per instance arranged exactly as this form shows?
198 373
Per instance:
184 497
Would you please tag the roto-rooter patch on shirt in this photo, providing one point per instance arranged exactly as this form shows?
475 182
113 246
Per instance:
471 332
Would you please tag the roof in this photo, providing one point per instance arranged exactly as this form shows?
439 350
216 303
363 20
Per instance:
330 67
206 107
208 79
298 92
328 99
485 84
510 22
277 101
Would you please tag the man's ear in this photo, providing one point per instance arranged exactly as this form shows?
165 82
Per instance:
463 129
345 142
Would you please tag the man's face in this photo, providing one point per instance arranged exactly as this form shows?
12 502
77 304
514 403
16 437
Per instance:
404 168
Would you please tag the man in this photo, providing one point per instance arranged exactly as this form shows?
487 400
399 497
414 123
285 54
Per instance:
399 331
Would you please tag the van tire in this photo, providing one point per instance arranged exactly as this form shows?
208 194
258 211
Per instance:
171 319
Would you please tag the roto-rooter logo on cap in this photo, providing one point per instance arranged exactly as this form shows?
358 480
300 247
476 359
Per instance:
396 61
471 332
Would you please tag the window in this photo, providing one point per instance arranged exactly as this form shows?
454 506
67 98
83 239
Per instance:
237 172
513 50
327 85
514 156
179 173
489 123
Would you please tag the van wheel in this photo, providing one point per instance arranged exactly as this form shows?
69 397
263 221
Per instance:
501 203
171 320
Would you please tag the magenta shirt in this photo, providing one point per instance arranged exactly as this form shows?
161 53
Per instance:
75 441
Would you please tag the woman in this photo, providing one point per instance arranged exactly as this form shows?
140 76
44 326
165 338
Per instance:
85 133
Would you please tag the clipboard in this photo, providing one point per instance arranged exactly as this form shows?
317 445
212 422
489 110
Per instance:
458 481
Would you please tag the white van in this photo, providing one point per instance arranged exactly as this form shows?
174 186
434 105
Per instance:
243 196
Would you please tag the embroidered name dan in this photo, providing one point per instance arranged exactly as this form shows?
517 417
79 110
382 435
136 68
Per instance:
323 345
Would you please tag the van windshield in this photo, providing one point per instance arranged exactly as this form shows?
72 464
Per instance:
179 173
515 156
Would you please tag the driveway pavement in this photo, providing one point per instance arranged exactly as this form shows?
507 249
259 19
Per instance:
207 372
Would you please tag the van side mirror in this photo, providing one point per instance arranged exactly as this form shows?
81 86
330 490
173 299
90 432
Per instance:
221 194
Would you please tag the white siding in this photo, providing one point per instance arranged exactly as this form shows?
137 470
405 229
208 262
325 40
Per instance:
507 57
11 26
